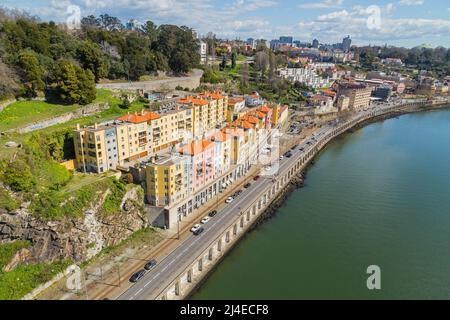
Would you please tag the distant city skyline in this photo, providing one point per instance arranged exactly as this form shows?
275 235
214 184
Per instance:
405 23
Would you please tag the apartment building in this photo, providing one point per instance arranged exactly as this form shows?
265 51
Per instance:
105 146
133 136
358 94
211 164
168 180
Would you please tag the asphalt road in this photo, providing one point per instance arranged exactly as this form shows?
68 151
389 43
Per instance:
178 260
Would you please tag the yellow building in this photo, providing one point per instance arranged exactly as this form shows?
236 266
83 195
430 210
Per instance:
103 147
167 181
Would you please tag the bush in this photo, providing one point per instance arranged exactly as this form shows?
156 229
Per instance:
19 177
7 202
114 199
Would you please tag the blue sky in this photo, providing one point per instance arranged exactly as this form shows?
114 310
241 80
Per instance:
397 22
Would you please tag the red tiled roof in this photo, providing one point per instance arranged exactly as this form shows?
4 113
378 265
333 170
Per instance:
196 147
139 117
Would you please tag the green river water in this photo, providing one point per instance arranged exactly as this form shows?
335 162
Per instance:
378 196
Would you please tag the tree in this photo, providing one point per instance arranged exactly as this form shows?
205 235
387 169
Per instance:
233 60
92 58
151 31
272 65
32 73
109 23
261 61
244 74
8 81
75 85
223 64
179 46
19 177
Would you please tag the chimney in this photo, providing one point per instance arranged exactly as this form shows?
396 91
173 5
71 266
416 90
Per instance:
78 126
95 125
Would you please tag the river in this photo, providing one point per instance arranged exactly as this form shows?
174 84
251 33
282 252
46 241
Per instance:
378 196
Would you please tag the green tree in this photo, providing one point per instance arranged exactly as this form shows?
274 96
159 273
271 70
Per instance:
92 58
75 85
19 177
32 72
151 31
179 46
233 60
223 64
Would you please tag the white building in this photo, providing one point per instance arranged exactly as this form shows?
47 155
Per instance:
307 76
203 52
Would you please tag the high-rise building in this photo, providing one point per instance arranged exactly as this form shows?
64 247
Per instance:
286 40
315 43
274 44
346 44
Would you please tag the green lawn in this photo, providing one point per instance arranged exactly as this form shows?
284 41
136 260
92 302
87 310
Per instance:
22 113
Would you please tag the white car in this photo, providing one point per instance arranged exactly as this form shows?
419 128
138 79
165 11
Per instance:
268 168
205 219
196 227
229 200
281 157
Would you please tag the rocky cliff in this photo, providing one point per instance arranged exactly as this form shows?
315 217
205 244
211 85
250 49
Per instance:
77 239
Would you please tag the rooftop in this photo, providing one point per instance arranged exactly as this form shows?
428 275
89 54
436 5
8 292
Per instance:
141 117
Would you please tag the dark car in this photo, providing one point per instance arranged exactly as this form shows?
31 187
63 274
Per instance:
137 276
293 148
288 154
256 178
247 185
150 265
212 213
198 231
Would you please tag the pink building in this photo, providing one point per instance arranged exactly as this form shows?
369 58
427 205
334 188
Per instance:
201 162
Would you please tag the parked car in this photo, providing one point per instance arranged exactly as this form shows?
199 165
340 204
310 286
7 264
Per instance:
205 219
198 231
247 185
137 276
293 148
212 213
281 157
196 227
256 178
150 265
229 200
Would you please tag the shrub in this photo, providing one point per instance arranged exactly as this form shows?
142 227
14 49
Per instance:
19 177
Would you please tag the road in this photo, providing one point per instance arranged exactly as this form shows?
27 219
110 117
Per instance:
179 259
151 84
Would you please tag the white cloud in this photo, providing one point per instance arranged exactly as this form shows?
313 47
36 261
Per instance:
332 26
412 2
324 4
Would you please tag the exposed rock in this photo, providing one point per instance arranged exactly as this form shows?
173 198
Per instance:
72 238
20 257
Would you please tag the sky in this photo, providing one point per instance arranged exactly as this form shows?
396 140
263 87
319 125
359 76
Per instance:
405 23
